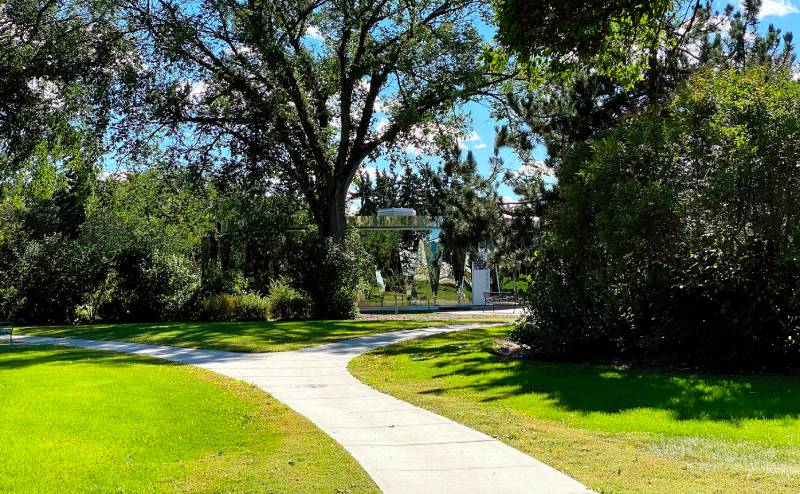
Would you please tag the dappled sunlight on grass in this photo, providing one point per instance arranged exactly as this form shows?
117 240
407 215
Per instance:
605 397
270 336
724 430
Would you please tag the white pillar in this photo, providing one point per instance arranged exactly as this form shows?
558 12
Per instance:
481 283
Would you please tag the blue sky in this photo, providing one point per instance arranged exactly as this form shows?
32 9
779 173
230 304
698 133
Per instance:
784 14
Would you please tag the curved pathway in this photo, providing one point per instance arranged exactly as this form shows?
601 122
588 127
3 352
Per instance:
405 449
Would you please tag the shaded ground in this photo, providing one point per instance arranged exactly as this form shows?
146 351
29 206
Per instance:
83 421
614 429
242 337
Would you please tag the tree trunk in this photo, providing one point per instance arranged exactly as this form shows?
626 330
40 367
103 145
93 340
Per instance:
335 219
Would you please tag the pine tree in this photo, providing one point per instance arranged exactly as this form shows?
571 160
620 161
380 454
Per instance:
365 194
70 201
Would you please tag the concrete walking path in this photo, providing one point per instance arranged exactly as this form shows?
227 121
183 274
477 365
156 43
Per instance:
405 449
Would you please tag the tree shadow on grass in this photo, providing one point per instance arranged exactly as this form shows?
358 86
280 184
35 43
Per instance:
21 356
230 336
588 388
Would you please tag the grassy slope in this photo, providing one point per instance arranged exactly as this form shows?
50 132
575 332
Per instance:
81 421
236 337
615 430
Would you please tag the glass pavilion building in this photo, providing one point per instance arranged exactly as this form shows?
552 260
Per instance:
413 268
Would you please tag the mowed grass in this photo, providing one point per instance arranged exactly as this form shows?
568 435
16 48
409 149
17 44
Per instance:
239 337
614 429
93 422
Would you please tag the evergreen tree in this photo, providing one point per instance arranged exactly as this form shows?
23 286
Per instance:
365 194
70 201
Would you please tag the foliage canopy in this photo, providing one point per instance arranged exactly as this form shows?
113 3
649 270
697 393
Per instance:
676 236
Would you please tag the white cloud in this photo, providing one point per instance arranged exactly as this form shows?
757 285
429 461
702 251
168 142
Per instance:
119 174
314 32
370 170
384 105
48 90
535 166
238 50
473 137
778 8
362 85
482 145
197 90
421 139
381 127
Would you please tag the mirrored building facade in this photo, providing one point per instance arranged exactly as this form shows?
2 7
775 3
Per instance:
413 267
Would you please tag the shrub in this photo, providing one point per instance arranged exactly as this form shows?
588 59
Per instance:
8 301
286 303
251 307
218 307
330 272
50 279
566 311
149 286
234 307
219 281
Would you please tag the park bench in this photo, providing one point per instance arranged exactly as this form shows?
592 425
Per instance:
6 328
499 298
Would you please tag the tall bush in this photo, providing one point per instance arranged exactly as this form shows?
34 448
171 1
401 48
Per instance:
50 279
678 233
149 286
330 272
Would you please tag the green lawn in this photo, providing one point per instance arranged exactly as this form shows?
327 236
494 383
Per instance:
238 337
614 429
95 422
446 295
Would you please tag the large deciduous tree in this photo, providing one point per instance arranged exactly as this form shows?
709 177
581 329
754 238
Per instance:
58 61
308 89
597 33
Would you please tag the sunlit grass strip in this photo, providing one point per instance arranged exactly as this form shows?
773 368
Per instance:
84 421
